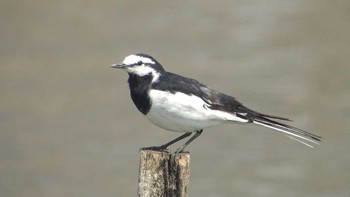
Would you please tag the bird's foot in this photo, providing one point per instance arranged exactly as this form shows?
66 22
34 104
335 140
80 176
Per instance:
157 148
181 150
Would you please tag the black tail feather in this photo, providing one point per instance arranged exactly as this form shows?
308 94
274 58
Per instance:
271 116
265 120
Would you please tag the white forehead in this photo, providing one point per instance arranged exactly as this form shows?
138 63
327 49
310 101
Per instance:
133 59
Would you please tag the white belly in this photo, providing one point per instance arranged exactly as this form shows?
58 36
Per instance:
184 113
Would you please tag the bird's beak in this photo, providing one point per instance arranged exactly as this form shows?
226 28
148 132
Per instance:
118 65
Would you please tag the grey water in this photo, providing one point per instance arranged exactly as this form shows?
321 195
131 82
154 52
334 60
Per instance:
68 126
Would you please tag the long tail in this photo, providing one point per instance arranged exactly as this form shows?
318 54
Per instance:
292 132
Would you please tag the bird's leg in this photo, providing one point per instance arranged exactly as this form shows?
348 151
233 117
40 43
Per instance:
162 147
198 133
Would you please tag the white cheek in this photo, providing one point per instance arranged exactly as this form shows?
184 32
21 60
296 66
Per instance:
139 70
143 71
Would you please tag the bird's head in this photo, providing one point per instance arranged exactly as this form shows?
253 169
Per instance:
141 65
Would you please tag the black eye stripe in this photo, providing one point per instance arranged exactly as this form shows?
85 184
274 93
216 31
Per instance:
139 63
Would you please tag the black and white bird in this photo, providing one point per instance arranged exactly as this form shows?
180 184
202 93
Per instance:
182 104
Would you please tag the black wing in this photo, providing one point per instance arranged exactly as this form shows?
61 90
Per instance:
219 101
227 103
216 100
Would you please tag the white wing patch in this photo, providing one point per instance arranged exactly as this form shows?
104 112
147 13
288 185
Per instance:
243 114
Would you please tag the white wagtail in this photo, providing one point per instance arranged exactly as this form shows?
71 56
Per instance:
182 104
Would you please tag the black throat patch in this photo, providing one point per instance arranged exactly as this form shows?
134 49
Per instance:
139 87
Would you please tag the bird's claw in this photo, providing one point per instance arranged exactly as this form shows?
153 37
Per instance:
156 148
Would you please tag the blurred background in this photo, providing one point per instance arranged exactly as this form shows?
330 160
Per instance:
68 126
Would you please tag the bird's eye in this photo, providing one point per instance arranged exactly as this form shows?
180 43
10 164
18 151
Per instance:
139 63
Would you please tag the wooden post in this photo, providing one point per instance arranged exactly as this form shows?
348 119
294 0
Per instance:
163 173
